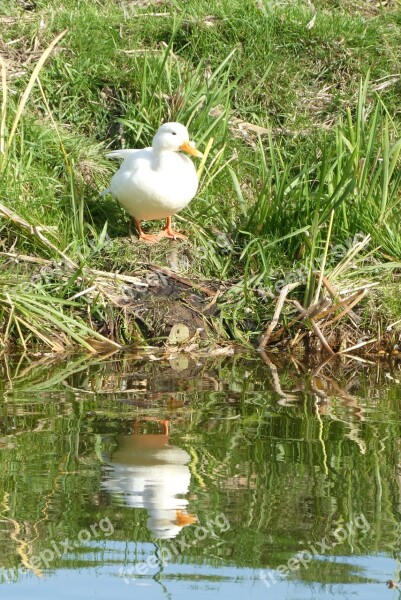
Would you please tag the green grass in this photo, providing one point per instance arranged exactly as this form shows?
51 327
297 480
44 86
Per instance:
284 206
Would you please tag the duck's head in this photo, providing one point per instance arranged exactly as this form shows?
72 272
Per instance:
174 137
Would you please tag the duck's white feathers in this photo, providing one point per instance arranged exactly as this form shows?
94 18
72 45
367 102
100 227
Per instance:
153 183
121 153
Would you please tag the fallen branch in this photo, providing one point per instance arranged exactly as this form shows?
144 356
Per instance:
348 308
102 274
279 307
310 312
315 328
357 346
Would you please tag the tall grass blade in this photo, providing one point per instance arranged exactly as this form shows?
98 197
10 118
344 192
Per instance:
28 89
385 172
3 105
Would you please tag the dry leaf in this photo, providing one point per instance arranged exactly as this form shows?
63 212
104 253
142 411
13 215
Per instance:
179 333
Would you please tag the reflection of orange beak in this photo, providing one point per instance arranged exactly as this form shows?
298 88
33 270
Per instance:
182 519
186 147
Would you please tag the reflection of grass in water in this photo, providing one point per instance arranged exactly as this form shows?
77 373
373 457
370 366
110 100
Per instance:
193 577
332 572
257 461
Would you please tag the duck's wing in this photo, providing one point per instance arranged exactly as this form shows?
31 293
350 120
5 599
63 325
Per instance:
130 157
130 160
121 153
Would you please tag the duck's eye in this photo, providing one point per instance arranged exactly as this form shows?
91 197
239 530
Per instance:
174 133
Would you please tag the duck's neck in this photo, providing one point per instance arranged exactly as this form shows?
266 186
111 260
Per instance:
162 158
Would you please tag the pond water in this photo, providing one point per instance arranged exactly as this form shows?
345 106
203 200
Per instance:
242 476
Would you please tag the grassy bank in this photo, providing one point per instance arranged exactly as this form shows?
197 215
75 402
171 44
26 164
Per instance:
298 214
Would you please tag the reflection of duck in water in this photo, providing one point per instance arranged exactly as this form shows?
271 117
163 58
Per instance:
149 473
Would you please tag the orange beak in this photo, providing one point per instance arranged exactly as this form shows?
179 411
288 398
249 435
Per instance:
186 147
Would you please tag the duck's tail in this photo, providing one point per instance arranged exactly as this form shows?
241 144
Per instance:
121 153
118 154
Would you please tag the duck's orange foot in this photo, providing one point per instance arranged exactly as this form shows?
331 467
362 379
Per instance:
169 232
150 238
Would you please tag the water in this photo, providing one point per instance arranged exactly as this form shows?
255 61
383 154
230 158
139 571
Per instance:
199 477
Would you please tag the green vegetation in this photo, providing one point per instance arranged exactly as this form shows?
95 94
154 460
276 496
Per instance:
299 115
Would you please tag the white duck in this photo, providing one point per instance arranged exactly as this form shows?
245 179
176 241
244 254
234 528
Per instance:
156 182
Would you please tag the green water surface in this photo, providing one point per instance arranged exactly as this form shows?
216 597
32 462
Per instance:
199 477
